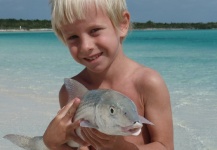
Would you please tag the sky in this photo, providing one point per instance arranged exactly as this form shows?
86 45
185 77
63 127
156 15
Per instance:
165 11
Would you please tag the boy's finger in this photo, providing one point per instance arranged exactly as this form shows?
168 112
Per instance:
73 135
62 112
66 147
70 110
89 137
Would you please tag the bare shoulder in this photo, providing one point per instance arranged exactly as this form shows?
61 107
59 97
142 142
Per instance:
153 89
157 106
149 80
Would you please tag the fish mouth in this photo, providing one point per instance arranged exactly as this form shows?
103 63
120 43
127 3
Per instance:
93 57
133 129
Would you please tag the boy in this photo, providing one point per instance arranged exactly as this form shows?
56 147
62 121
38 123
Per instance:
94 31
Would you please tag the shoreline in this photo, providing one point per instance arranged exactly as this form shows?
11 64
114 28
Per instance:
25 30
51 30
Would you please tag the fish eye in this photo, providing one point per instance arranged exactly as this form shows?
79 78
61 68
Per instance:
112 110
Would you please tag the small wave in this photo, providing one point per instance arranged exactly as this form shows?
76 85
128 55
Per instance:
181 105
189 134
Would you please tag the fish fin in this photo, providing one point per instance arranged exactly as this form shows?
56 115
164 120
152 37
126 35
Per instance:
26 142
144 120
87 124
19 140
74 88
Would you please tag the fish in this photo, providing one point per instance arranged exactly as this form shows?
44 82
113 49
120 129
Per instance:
106 110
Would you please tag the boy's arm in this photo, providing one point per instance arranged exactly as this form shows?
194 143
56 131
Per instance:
158 110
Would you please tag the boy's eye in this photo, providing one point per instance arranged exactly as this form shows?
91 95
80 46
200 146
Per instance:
95 30
72 37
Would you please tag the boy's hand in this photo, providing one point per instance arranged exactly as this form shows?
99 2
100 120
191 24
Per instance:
62 129
99 140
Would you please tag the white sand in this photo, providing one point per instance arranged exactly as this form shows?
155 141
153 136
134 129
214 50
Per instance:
23 116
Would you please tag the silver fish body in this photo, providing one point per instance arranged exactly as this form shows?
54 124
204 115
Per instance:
106 110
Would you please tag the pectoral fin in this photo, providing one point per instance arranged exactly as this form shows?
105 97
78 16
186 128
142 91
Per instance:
87 124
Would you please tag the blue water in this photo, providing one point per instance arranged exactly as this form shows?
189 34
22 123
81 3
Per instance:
33 64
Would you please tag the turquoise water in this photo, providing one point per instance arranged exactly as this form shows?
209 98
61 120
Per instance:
33 64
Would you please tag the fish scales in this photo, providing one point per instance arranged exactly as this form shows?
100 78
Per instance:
87 105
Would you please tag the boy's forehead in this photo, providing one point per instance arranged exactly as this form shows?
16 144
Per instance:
92 13
92 16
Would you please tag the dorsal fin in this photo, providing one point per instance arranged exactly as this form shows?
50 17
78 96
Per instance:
74 88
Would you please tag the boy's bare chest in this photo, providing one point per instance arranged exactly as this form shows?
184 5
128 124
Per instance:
130 91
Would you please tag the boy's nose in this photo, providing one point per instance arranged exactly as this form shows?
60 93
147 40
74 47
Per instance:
87 45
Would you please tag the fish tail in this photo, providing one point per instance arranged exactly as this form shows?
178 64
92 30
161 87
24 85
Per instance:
25 142
19 140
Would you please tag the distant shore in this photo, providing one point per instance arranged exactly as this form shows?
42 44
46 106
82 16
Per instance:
11 25
51 30
24 30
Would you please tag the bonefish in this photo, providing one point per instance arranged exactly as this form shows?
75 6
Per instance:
106 110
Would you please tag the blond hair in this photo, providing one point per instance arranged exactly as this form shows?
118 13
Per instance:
67 11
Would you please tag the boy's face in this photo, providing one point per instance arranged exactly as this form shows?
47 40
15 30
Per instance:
94 42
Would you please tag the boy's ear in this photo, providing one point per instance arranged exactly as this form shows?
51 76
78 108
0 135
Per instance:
124 25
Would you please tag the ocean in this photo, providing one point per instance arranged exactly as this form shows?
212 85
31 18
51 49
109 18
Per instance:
34 64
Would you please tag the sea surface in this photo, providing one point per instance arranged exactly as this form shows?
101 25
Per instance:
34 64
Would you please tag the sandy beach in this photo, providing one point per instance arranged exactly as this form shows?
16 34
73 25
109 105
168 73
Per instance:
23 116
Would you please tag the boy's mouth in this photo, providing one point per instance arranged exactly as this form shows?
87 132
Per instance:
94 57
